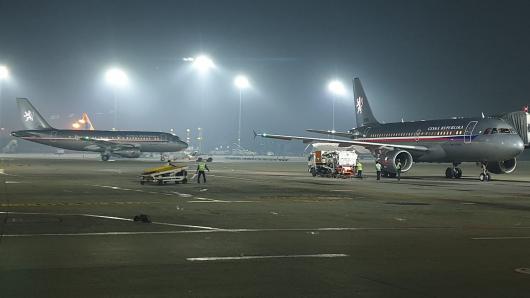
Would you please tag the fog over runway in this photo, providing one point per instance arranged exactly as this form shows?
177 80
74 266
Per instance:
260 229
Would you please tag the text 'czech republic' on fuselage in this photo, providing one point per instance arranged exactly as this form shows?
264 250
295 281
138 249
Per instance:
491 141
128 144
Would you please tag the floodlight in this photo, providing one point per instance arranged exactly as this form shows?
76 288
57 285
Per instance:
337 88
203 63
4 72
116 77
241 82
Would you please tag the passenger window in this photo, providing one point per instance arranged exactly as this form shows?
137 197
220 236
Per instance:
487 131
494 131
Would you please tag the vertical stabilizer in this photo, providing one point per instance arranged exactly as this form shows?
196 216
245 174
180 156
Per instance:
30 116
363 112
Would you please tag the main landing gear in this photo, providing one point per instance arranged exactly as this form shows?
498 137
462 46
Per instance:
484 176
454 171
105 156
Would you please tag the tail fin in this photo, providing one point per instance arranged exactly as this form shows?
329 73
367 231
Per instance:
363 113
30 116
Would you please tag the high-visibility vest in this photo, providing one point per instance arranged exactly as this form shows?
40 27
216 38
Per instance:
378 167
398 166
202 166
359 167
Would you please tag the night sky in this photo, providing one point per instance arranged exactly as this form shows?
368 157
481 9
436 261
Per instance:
416 59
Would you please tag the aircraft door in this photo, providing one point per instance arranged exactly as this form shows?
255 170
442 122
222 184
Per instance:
468 132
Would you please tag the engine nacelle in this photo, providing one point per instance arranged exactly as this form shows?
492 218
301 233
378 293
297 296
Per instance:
389 160
503 166
128 153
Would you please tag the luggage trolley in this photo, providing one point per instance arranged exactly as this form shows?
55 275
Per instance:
165 174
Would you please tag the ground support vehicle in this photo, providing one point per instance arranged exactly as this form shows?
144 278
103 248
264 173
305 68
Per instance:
165 174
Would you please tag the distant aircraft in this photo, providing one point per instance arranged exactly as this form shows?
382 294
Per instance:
128 144
490 141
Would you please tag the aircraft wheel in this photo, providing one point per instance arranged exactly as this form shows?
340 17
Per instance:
449 173
160 182
482 177
488 177
313 172
392 175
458 173
105 157
184 181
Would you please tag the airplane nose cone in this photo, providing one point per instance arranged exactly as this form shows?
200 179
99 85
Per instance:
184 145
517 145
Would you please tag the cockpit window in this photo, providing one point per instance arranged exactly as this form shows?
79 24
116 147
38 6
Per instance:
504 130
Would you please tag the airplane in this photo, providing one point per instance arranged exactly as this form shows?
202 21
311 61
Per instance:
492 142
129 144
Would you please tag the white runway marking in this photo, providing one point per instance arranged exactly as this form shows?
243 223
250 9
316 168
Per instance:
110 217
237 178
502 238
2 172
219 201
13 182
203 259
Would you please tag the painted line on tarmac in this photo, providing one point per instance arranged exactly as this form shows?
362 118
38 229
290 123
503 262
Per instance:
237 178
175 193
110 217
502 238
77 204
202 230
2 172
219 201
203 259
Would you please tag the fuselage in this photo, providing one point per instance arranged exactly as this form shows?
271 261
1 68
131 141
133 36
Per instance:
449 140
83 140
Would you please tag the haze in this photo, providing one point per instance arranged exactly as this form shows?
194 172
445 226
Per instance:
417 60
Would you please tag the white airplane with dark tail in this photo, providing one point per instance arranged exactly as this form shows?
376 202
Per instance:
129 144
492 141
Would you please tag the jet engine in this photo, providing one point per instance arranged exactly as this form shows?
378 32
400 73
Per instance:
389 160
128 153
503 166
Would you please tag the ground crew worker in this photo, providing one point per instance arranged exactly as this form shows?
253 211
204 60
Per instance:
378 169
359 166
201 168
398 169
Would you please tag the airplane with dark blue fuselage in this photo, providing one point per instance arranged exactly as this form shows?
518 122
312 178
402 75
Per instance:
129 144
491 141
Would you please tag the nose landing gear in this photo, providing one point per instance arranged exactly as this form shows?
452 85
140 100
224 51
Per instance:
105 156
453 172
484 176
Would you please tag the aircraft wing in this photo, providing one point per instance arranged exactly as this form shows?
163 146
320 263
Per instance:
345 143
110 145
331 132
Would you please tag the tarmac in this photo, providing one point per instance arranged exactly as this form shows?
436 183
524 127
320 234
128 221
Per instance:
260 229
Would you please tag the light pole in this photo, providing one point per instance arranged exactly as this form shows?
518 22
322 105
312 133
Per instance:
4 75
337 89
241 83
202 64
116 78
